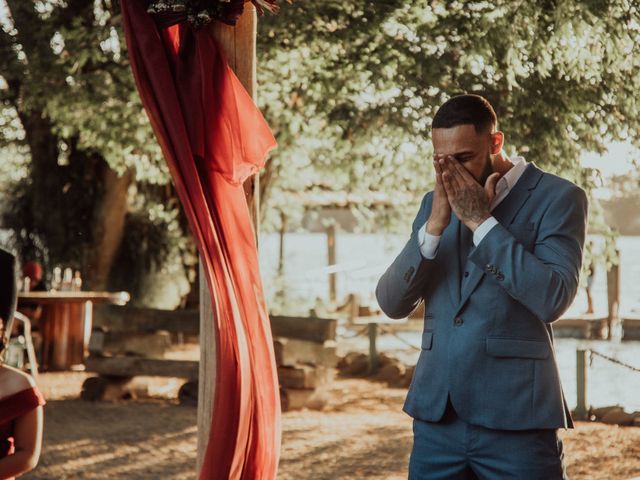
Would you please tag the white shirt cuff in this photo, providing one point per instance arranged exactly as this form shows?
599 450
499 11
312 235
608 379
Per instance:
428 243
484 228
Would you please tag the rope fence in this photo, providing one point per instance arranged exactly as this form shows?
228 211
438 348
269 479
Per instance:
362 331
612 360
383 331
398 337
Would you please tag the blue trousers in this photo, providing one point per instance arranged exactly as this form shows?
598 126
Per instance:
451 449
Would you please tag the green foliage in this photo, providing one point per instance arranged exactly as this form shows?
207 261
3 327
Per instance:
157 262
348 87
70 107
351 88
74 191
106 113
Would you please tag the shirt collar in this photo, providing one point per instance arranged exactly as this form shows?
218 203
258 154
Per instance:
512 176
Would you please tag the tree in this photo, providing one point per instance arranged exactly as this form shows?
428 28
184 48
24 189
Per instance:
351 88
70 106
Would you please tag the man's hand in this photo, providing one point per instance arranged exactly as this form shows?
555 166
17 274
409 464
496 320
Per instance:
440 209
468 199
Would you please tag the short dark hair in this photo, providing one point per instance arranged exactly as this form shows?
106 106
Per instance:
466 110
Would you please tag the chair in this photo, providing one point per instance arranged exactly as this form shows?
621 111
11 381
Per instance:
18 346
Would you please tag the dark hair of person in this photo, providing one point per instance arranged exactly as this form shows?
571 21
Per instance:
466 110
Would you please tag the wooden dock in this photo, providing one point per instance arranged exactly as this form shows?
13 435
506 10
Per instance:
631 326
585 326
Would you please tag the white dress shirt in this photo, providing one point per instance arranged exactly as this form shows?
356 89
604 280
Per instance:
429 243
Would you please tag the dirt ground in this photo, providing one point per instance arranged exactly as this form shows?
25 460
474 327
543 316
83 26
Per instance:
362 434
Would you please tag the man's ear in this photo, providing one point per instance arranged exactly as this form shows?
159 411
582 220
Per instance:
497 142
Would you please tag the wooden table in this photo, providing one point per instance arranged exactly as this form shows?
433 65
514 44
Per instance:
65 324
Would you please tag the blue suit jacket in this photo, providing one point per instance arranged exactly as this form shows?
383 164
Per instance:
487 341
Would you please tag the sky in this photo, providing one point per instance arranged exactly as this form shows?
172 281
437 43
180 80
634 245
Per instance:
618 160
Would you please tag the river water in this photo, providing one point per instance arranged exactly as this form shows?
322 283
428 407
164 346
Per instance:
362 258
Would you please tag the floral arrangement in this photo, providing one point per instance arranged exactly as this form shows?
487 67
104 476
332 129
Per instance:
201 12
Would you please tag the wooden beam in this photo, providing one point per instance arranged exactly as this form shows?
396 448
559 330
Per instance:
133 319
582 375
282 232
134 366
144 344
299 377
631 328
331 255
207 368
290 352
239 46
312 329
613 297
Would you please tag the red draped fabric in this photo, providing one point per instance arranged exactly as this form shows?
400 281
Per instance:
213 137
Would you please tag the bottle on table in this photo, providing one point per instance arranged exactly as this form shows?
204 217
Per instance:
56 281
67 280
77 281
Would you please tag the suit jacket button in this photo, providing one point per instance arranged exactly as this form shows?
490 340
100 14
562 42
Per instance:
500 276
408 274
466 274
458 321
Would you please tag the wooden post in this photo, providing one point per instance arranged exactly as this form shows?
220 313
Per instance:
239 46
374 361
613 297
283 231
582 366
331 247
207 368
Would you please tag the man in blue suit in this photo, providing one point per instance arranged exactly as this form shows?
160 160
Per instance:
495 253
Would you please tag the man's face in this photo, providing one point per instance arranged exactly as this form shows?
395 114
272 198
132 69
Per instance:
472 149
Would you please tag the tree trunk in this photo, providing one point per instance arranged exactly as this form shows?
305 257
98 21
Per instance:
76 204
108 226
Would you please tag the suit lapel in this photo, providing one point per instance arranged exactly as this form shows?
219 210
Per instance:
505 213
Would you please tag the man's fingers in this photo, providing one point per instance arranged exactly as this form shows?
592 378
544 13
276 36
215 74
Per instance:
457 179
439 184
447 182
461 172
438 169
490 185
449 191
448 168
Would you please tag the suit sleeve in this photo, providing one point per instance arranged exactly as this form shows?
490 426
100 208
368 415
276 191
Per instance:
7 285
545 281
400 288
